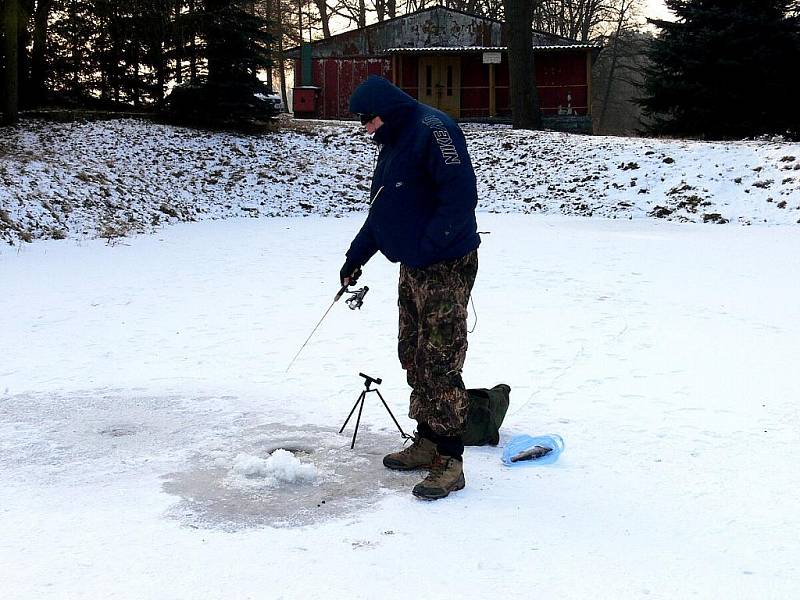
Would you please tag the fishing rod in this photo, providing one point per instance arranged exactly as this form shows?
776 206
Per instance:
356 300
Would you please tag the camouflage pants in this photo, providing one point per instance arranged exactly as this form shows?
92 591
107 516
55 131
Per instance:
432 340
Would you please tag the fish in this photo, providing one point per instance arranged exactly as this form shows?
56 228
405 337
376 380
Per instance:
532 453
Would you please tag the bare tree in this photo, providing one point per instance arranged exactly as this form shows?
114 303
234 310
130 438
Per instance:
574 19
348 10
324 17
526 112
11 17
626 13
284 19
493 9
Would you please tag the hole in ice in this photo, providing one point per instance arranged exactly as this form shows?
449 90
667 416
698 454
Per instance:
118 430
284 476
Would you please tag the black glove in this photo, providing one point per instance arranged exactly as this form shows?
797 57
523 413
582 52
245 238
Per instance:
351 271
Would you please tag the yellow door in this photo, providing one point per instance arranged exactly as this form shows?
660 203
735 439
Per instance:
440 83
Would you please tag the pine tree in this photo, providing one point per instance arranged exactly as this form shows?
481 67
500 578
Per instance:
725 69
237 42
236 48
72 60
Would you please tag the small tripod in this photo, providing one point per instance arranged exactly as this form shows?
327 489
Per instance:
360 404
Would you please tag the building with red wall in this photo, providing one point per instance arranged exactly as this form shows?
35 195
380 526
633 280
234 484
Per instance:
449 59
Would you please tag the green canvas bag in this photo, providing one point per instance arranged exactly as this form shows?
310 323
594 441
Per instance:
487 409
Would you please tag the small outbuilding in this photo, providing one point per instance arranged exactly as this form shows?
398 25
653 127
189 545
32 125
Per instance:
455 61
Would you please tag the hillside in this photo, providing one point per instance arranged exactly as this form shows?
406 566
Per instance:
111 178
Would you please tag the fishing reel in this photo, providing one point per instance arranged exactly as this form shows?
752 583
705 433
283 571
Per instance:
356 299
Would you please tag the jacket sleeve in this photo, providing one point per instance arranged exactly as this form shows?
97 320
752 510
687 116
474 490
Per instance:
455 189
363 246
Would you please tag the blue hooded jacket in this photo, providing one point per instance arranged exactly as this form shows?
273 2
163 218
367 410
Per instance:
423 191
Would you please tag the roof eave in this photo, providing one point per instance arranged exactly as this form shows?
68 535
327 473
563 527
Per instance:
457 49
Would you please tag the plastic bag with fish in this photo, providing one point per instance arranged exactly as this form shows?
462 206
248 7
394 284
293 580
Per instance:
529 450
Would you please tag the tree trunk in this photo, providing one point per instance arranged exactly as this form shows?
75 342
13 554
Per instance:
526 113
268 14
39 51
178 43
192 43
11 74
75 50
281 60
160 59
117 54
300 21
324 17
613 67
24 10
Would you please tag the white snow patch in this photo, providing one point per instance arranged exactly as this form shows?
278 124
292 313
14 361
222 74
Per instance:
280 467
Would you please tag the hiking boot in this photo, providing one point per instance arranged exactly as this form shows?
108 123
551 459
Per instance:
447 475
419 455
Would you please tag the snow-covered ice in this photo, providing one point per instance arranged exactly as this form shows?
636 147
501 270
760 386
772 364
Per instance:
134 374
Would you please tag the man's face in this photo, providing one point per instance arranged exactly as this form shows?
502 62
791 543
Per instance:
373 125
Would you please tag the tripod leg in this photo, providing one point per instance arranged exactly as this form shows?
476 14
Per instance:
358 420
403 433
360 400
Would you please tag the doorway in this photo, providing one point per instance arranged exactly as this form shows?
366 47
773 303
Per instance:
440 83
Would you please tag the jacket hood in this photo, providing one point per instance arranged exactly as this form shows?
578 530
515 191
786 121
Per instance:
378 96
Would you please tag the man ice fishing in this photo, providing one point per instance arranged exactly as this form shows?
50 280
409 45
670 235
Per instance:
423 216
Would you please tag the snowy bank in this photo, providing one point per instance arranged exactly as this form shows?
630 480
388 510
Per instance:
107 179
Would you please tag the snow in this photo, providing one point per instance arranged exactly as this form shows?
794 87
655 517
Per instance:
281 467
88 179
152 444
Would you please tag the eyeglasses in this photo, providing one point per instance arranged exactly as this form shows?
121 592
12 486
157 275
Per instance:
366 118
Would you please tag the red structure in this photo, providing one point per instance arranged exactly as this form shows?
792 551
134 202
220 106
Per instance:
452 60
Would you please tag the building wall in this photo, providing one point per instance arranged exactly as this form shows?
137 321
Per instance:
437 27
475 86
562 81
339 77
561 78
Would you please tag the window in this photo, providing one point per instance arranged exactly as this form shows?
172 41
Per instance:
428 79
449 80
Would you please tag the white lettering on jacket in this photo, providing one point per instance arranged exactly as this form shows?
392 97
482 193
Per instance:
442 137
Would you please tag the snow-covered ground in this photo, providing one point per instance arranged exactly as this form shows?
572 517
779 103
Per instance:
153 446
143 398
109 178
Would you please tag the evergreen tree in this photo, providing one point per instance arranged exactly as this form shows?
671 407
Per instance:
237 41
111 54
236 47
72 58
725 69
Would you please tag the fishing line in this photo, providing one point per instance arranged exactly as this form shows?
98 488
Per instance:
552 381
474 325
